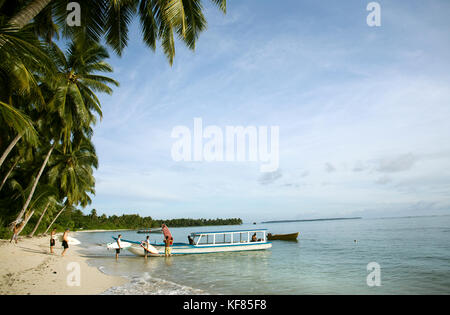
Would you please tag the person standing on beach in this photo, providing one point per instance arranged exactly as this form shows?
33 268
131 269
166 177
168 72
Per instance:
167 246
52 240
146 244
168 242
65 241
14 237
16 230
120 246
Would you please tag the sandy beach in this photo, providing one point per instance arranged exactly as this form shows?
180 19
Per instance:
29 268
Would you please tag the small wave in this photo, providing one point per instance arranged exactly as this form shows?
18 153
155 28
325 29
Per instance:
147 285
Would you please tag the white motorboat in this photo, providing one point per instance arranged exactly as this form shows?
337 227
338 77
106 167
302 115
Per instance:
211 242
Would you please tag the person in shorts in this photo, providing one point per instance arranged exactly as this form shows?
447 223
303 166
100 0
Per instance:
168 243
65 241
52 240
167 246
15 235
120 246
146 244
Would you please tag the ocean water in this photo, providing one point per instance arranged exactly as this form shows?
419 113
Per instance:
413 254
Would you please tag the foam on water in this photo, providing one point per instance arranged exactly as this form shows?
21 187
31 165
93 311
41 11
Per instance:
147 285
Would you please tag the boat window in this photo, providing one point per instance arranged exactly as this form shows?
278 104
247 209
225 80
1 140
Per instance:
204 239
259 236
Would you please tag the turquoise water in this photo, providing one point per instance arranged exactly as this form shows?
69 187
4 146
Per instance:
413 254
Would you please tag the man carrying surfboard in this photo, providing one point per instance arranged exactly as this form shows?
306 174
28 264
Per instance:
120 246
146 245
167 246
168 239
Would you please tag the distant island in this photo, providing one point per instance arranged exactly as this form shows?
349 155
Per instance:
310 220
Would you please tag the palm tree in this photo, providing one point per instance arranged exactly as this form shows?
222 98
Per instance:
75 82
73 101
159 20
22 57
40 219
45 195
72 172
48 101
11 169
35 182
55 218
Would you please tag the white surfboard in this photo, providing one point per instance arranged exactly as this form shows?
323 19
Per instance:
114 245
72 241
150 248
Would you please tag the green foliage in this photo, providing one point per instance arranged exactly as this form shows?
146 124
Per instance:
51 94
159 21
198 222
5 233
48 103
77 220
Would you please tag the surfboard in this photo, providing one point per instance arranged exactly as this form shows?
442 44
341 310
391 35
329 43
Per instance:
150 249
166 231
114 245
71 240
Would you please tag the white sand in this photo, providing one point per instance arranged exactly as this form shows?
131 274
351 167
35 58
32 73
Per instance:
29 268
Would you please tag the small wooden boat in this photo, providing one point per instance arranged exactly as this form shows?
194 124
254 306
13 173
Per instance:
282 237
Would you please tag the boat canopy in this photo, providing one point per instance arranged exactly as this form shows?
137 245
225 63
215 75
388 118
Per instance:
227 232
229 237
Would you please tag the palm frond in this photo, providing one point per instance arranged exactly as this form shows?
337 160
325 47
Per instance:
18 121
222 4
118 16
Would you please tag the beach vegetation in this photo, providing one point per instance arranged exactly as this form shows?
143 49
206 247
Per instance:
49 101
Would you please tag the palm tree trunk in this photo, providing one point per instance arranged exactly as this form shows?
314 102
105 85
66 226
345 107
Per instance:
27 218
9 173
48 228
30 196
11 146
24 16
40 219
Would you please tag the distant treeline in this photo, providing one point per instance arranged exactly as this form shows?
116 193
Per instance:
75 219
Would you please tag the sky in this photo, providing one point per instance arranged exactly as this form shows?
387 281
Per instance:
363 114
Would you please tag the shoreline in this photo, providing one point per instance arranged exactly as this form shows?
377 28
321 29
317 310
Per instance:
29 268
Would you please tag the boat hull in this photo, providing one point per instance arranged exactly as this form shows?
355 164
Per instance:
186 249
283 237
